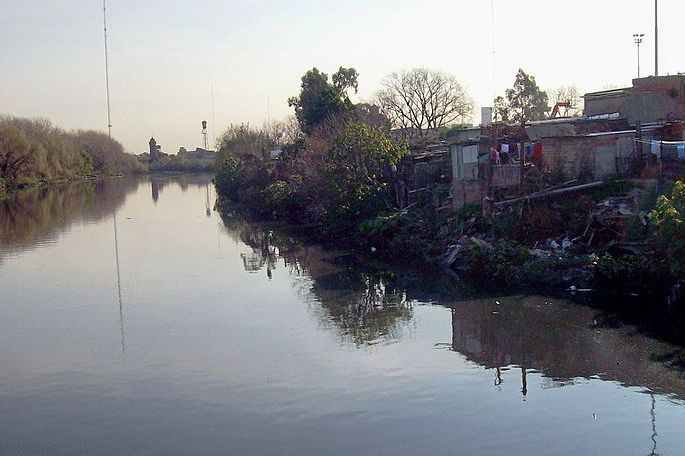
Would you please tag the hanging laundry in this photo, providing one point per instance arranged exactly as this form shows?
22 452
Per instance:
504 149
680 151
537 151
655 148
668 151
494 156
529 149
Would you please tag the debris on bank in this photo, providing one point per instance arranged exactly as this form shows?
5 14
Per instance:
575 258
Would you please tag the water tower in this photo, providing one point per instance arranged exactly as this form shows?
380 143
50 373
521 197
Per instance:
204 133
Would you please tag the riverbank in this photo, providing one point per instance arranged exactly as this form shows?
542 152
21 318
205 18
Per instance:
617 238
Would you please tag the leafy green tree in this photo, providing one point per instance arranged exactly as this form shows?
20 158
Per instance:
230 178
669 217
523 102
320 99
359 169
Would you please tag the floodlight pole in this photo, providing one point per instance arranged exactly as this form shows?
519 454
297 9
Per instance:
638 40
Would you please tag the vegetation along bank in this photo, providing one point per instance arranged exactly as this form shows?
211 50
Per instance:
339 168
33 151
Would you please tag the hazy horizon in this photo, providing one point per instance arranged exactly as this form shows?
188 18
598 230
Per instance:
166 57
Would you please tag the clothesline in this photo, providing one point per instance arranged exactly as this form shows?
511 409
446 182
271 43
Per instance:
654 141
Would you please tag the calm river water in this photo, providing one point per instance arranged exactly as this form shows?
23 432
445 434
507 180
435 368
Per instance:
187 334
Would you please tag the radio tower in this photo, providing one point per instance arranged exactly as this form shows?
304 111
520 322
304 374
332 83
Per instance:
204 133
109 111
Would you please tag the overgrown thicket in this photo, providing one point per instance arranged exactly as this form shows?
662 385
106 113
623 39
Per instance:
33 150
336 166
669 218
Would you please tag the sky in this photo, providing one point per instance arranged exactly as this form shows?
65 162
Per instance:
175 63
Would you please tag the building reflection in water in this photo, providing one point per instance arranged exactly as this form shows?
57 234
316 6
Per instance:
185 181
560 340
157 186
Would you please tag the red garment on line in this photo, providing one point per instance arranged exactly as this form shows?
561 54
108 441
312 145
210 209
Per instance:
537 151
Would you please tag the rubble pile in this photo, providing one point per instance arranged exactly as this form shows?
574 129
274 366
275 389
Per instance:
609 223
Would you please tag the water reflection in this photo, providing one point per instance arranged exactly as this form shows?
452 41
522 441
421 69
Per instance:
159 181
272 344
561 340
368 305
36 216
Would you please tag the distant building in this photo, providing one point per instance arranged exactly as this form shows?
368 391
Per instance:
654 99
197 154
155 150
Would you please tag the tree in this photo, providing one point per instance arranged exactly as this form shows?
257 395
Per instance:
107 154
246 143
320 99
420 99
523 102
283 132
358 170
571 95
669 218
370 114
15 153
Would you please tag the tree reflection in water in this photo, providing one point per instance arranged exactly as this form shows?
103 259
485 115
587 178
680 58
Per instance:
366 306
534 335
37 216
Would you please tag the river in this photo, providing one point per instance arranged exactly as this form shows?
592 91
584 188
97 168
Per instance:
135 320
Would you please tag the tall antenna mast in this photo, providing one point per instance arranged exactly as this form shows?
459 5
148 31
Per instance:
656 38
213 123
494 51
109 111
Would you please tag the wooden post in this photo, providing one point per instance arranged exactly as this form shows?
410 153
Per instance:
522 154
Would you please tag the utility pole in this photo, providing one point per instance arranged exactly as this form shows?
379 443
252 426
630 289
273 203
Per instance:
638 40
656 37
109 112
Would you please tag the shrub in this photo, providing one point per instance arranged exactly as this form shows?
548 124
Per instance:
625 273
230 178
669 218
358 169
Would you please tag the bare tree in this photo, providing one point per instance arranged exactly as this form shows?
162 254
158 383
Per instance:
571 95
15 153
420 99
282 132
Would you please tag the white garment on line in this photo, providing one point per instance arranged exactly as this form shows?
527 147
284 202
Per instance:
655 148
505 148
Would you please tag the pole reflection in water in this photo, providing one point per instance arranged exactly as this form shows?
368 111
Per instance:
652 413
235 351
208 212
121 307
